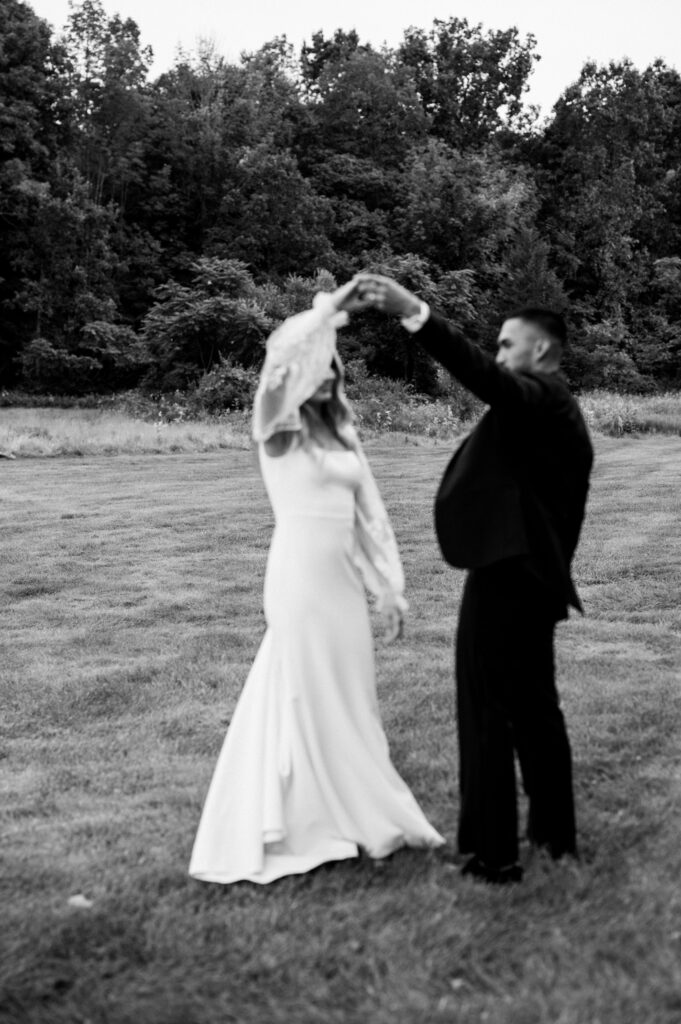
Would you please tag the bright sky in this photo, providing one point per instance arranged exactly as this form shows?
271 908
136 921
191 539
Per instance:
567 33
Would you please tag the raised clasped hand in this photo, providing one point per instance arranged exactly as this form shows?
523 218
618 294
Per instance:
349 297
387 295
373 291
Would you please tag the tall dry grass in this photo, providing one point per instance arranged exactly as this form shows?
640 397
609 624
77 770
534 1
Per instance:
392 412
51 432
617 415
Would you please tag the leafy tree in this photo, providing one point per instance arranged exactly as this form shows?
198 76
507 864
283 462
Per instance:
31 132
234 183
189 329
198 117
109 357
606 169
527 277
66 265
363 197
602 358
65 292
365 106
322 52
274 83
461 209
616 117
667 285
475 212
208 118
57 261
363 118
294 294
611 115
30 103
224 315
470 83
656 326
271 216
381 343
107 69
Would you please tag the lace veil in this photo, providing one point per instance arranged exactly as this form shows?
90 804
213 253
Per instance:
299 354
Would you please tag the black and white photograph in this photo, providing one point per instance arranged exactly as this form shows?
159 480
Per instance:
340 542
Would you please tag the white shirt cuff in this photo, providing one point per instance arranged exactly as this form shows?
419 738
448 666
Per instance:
416 321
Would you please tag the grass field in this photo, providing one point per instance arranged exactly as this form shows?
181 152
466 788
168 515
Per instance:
131 612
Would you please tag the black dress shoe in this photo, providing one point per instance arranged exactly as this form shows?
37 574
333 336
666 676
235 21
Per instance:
476 868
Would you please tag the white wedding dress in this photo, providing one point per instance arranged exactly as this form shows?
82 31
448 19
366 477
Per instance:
305 775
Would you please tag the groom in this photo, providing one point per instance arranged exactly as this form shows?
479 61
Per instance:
509 509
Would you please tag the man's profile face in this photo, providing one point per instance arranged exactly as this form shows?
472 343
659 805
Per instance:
519 346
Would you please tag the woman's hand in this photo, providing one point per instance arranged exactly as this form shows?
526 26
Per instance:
393 618
387 295
347 297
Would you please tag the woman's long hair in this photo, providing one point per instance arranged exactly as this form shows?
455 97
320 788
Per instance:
336 414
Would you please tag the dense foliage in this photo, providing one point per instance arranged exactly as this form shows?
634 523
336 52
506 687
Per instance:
154 231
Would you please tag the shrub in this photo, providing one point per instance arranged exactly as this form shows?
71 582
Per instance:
385 404
225 387
108 356
225 316
603 359
45 366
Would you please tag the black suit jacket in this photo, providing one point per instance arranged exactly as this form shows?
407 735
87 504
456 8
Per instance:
517 486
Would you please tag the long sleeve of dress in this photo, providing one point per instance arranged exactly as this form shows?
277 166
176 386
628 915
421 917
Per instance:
376 553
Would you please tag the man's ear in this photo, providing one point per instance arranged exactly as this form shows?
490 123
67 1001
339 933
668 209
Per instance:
542 347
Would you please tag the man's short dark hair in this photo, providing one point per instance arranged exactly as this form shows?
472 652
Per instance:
550 322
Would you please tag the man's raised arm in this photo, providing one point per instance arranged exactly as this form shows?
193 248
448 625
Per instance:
475 369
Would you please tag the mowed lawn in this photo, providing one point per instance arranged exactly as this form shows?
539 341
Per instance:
131 611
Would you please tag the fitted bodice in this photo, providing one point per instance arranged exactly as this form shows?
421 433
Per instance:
312 481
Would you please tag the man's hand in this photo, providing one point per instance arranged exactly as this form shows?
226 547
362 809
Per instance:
387 295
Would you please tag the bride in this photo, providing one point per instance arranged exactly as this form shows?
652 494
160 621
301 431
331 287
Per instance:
304 775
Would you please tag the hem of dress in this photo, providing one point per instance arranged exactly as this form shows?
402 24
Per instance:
271 871
429 842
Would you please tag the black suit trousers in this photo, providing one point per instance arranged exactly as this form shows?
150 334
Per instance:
507 704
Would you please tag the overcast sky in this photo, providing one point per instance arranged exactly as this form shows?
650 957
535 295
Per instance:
567 34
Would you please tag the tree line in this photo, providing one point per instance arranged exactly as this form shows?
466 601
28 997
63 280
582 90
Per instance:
155 229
